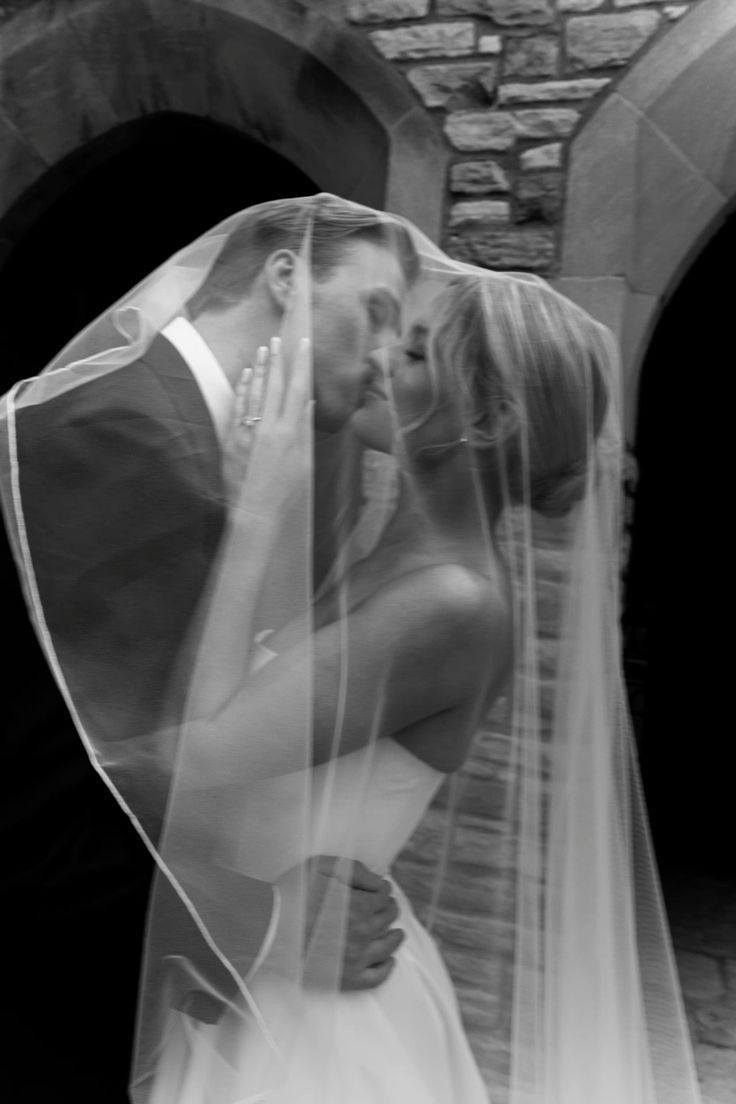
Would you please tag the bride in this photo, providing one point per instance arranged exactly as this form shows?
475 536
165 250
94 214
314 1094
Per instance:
498 400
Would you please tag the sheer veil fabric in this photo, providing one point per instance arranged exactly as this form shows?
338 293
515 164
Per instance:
569 924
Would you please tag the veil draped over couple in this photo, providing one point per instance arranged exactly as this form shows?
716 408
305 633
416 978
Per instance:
293 519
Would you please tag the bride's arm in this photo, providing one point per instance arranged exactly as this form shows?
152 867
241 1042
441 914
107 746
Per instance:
263 472
427 646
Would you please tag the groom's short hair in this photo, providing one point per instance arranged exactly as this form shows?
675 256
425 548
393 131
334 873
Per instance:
332 223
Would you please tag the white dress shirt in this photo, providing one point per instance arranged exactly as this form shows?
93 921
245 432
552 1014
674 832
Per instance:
211 379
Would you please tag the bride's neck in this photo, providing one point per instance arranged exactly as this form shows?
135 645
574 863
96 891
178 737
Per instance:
443 511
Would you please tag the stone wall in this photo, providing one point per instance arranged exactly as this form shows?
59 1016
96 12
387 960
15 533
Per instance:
473 823
510 82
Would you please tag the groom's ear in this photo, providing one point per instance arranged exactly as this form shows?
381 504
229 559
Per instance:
280 272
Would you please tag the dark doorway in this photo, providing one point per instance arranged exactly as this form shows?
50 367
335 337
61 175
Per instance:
679 607
111 212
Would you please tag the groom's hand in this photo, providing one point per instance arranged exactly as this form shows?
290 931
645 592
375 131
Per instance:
370 942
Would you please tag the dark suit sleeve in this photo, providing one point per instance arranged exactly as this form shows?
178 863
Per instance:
123 517
122 501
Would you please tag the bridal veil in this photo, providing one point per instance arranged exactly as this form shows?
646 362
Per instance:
540 841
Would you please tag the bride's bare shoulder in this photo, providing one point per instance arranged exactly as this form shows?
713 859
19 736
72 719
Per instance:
454 603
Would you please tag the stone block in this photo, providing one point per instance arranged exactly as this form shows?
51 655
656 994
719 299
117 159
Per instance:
426 843
700 977
462 85
418 171
497 248
545 122
499 130
386 11
481 797
546 91
579 5
716 1073
730 970
476 969
52 97
710 148
548 156
473 211
472 932
716 1025
548 595
609 300
602 179
675 11
536 56
479 1011
539 197
675 202
426 40
480 130
490 44
610 39
493 746
478 178
479 846
20 165
486 760
507 13
465 892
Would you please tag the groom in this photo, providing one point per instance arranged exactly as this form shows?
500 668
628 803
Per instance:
117 466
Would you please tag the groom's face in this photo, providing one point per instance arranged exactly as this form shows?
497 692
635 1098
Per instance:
356 310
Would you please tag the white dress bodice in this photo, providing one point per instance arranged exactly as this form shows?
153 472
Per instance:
364 805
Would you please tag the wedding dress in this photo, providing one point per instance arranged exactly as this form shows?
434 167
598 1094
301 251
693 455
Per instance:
402 1043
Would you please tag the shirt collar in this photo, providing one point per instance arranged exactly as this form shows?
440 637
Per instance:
211 379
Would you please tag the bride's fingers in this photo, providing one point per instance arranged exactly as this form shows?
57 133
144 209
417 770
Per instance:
300 385
254 407
242 388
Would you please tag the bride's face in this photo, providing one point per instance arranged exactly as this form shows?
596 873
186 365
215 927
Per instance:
406 397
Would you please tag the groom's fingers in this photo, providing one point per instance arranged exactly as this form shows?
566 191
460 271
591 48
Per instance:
385 917
385 947
372 976
375 964
363 878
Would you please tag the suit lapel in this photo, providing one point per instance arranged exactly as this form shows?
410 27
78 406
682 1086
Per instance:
175 379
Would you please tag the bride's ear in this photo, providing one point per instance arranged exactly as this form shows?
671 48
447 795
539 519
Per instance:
497 425
280 272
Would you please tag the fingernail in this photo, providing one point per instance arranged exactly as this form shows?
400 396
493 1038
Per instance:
275 346
261 354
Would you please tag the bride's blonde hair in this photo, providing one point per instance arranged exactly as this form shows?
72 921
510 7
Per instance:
527 369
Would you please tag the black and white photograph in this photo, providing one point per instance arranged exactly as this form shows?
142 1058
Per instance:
365 453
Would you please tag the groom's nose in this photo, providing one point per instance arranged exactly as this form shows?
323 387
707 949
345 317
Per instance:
380 361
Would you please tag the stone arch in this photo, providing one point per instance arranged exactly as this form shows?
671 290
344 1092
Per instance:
652 176
112 210
289 75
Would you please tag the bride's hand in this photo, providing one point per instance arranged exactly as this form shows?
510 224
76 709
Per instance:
266 451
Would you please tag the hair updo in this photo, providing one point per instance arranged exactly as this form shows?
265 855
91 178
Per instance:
528 368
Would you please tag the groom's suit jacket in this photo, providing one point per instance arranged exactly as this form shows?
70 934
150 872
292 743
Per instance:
122 489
